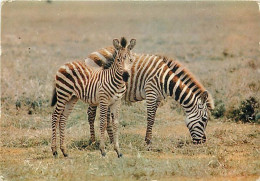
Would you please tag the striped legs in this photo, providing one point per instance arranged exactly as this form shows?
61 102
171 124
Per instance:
62 123
114 116
110 126
103 125
114 109
91 119
55 120
152 105
59 117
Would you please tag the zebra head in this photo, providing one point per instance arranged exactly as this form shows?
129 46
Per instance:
197 118
124 57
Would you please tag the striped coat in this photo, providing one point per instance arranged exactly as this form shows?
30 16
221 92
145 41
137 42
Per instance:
154 78
105 88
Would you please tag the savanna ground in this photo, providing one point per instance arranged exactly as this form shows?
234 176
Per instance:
217 41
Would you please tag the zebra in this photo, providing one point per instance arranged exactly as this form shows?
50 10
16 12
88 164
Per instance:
153 78
105 88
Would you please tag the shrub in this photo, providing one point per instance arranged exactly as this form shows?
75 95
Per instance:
31 104
219 110
246 112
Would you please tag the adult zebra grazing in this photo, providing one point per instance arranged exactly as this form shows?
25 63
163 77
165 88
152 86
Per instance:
105 88
154 78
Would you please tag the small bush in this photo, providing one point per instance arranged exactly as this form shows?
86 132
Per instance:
30 104
246 112
219 110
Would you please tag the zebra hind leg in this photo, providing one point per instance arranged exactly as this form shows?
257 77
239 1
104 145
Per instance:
62 123
151 111
55 120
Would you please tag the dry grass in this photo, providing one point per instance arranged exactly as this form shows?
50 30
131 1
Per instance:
218 42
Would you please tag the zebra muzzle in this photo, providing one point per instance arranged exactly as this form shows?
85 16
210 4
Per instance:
199 140
125 76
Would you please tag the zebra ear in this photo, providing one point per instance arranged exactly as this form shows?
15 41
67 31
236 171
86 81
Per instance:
116 44
132 44
204 96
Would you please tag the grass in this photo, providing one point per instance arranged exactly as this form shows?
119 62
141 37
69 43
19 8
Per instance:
218 42
232 150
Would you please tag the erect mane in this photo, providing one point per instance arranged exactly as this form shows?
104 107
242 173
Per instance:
187 78
123 42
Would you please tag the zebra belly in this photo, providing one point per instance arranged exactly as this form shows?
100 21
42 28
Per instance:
134 97
92 94
92 101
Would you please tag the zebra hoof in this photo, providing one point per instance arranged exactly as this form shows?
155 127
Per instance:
55 154
149 145
148 141
120 155
64 152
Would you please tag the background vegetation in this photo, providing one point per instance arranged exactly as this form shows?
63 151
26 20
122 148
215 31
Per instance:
217 41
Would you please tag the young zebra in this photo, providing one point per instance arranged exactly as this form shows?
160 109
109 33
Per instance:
105 88
154 78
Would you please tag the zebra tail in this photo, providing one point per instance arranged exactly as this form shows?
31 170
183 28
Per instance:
54 97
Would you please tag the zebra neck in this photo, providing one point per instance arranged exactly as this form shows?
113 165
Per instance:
182 92
117 74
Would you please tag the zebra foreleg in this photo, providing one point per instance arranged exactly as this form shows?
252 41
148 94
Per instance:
103 125
152 105
115 116
110 126
91 119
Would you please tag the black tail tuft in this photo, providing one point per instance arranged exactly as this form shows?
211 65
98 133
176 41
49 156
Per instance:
54 98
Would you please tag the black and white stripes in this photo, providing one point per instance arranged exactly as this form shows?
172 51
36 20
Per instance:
153 78
105 88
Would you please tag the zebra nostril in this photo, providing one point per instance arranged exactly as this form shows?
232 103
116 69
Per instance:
204 138
125 76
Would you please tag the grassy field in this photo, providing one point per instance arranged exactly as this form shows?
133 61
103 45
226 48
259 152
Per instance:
217 41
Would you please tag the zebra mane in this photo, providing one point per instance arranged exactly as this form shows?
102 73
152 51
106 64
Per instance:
187 77
123 42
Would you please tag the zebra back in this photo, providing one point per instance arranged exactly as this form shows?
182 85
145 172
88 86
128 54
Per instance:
104 58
